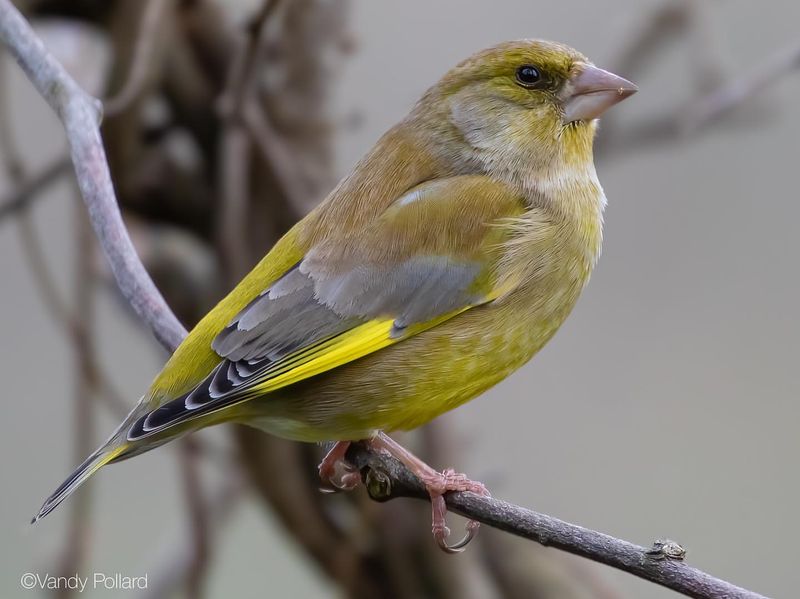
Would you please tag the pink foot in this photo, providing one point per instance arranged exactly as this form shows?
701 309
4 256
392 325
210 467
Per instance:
437 484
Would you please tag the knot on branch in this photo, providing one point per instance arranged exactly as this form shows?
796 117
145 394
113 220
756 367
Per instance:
378 484
666 549
384 476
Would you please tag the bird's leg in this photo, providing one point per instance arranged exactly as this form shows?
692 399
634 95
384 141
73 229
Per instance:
336 472
437 484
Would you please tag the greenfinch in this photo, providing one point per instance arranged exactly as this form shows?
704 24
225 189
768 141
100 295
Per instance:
443 262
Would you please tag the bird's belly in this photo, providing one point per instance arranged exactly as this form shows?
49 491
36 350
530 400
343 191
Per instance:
406 385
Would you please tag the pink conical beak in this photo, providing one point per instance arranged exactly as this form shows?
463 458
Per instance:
591 91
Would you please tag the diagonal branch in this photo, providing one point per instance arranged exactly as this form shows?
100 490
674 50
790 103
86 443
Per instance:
726 97
30 188
385 478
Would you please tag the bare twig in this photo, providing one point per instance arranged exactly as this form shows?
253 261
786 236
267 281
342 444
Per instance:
9 156
76 545
665 24
198 519
295 510
659 27
37 264
715 104
80 115
707 65
706 109
240 109
234 166
30 188
172 566
386 479
143 54
76 322
275 152
241 75
235 144
67 319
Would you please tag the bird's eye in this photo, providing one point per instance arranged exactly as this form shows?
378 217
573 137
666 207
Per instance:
528 76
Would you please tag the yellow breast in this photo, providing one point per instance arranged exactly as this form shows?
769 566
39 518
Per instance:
547 263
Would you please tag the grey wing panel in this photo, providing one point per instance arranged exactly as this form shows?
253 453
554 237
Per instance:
286 316
412 291
313 301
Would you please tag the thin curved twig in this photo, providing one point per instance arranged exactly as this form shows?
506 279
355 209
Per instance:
729 96
10 159
199 519
30 187
141 63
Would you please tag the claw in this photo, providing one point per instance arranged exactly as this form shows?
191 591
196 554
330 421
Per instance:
334 471
441 531
349 480
343 478
457 547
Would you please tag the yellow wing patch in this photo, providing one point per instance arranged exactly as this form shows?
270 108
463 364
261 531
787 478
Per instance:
351 345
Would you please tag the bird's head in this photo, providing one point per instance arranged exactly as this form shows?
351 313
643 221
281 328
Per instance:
523 104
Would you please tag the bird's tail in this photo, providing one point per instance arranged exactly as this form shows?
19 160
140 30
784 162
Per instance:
118 447
106 453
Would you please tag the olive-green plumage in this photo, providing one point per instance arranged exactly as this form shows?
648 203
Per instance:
443 262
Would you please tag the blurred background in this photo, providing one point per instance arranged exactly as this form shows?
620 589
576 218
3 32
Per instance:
667 405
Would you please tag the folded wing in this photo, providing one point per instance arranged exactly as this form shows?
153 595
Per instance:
430 257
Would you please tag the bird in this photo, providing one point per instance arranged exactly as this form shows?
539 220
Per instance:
449 255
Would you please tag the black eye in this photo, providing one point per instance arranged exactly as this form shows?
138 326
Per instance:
528 75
